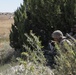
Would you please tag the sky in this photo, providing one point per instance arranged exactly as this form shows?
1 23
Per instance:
9 5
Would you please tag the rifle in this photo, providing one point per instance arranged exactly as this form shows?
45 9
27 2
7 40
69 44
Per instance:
73 39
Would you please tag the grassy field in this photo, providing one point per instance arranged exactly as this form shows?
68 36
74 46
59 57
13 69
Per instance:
6 20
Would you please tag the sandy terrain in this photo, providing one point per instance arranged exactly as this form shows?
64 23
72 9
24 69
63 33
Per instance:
6 20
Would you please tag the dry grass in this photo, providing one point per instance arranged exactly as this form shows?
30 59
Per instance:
6 20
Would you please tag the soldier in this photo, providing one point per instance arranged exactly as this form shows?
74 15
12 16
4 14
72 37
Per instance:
58 37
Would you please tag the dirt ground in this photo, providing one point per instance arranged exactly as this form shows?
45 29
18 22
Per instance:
6 20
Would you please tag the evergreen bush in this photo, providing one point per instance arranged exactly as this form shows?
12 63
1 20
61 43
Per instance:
42 16
65 60
33 49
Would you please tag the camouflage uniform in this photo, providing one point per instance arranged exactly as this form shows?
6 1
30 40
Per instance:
65 45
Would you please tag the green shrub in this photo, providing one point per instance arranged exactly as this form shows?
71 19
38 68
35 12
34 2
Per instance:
42 16
33 49
65 60
32 61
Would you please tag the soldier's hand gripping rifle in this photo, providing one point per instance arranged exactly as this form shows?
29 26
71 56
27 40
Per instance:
69 36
